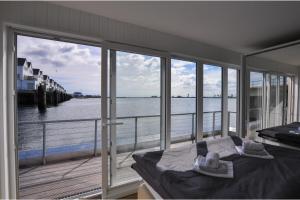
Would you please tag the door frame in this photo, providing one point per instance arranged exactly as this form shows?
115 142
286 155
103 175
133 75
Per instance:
117 190
11 31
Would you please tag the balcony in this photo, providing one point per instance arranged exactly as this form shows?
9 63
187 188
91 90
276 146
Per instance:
66 153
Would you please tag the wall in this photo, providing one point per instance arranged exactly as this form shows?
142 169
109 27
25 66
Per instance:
54 17
269 65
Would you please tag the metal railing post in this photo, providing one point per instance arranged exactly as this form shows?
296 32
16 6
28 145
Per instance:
228 122
95 137
193 129
44 143
214 117
135 132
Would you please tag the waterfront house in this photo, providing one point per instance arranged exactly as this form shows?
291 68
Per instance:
46 82
55 86
38 75
25 78
51 84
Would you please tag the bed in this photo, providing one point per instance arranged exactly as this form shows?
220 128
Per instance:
282 134
253 177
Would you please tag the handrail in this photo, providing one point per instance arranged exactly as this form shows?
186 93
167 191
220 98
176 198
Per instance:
92 119
44 142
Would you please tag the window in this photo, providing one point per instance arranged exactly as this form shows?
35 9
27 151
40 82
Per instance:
232 100
256 101
183 100
212 100
134 104
58 124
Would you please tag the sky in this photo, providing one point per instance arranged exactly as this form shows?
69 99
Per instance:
77 68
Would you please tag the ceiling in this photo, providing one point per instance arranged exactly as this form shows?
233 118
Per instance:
289 55
239 26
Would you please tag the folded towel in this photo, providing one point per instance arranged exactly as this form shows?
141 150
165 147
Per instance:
201 162
262 154
252 146
224 169
212 160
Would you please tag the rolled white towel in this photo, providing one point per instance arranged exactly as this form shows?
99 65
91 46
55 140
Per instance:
225 168
252 146
212 160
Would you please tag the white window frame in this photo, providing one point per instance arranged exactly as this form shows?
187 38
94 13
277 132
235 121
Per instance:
125 187
10 67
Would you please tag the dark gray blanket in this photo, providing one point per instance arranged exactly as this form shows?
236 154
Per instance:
253 177
282 134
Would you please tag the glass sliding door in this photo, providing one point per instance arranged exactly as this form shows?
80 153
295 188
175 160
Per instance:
281 99
276 98
212 100
232 100
134 122
273 101
183 101
289 100
58 116
256 101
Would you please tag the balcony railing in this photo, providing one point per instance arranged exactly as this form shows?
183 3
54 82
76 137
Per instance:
62 139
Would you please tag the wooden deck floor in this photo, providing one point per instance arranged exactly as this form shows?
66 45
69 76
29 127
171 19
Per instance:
69 178
59 180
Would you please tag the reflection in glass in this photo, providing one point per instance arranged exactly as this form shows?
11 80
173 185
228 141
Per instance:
255 104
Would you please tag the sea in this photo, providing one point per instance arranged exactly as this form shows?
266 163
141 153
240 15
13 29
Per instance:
139 118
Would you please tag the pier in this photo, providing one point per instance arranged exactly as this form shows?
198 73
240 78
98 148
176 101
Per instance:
36 88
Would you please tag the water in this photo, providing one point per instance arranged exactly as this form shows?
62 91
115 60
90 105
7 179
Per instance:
74 136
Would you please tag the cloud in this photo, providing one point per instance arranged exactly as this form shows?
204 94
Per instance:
137 75
77 68
74 66
37 53
183 78
212 80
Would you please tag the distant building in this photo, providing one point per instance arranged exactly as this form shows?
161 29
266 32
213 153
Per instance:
77 95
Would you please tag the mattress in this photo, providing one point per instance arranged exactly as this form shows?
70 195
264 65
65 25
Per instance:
282 134
253 177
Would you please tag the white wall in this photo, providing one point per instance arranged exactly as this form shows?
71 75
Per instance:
50 16
268 65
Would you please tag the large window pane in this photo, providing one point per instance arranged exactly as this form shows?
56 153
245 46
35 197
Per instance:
289 110
212 99
273 101
256 101
137 107
183 101
232 96
58 85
